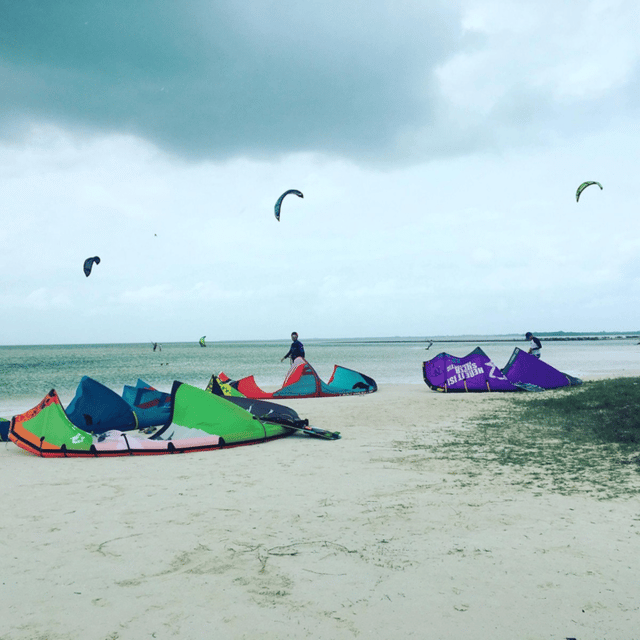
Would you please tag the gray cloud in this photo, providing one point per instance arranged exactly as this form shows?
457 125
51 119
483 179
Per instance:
377 81
222 79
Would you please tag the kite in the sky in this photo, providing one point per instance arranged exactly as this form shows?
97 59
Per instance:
583 186
88 264
281 198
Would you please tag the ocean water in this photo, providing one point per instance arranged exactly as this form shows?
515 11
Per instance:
28 373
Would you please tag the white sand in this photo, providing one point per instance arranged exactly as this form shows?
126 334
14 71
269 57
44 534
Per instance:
370 536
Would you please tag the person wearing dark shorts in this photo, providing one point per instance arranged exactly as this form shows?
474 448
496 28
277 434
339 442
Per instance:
535 343
296 350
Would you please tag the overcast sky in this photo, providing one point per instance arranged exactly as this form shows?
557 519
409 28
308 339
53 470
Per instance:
438 145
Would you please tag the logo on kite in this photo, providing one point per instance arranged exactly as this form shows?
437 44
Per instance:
583 186
281 198
88 264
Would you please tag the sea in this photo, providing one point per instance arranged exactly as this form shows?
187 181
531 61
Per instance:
28 373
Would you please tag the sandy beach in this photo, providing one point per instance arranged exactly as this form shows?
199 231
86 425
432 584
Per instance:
381 534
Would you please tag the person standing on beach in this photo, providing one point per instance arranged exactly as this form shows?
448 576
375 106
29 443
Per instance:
296 350
536 345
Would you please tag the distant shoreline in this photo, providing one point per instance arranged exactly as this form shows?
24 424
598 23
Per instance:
548 339
485 340
558 337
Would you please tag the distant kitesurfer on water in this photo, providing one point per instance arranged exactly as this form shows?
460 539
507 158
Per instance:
296 350
156 346
536 345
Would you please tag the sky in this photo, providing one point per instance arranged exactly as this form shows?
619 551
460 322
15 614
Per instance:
438 146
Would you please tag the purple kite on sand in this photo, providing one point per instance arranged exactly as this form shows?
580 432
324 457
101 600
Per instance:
473 372
476 372
525 371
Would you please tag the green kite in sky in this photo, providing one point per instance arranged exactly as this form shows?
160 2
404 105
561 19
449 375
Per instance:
583 186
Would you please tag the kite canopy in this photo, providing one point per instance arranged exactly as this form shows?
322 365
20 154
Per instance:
151 407
196 412
303 382
46 431
583 186
532 374
88 265
473 372
264 410
200 421
202 342
259 408
282 197
476 372
222 388
97 409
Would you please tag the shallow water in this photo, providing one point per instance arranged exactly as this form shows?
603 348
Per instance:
28 373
